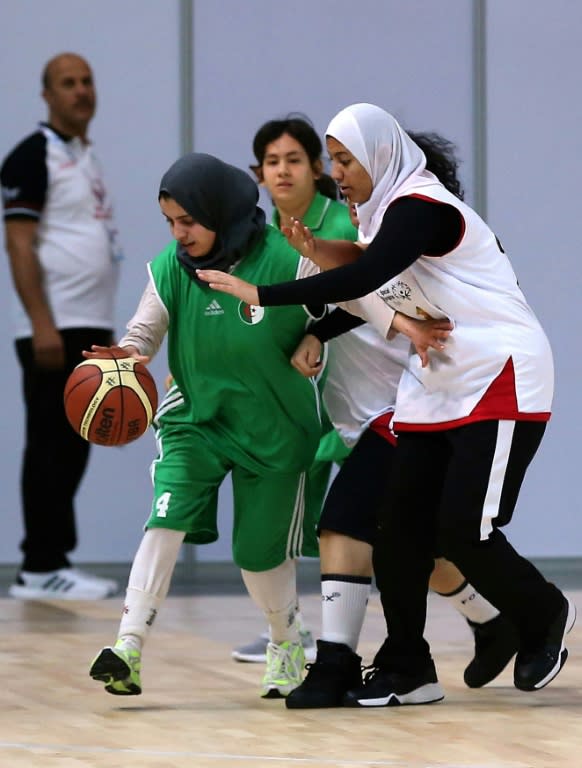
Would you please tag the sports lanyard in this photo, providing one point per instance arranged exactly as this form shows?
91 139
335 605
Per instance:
103 209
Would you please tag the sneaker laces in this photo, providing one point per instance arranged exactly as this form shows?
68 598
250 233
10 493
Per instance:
318 670
282 663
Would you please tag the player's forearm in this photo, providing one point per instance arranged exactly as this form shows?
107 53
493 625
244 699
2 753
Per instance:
403 324
373 310
140 340
148 326
328 254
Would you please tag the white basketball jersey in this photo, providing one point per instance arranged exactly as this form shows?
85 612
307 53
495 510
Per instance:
363 374
497 362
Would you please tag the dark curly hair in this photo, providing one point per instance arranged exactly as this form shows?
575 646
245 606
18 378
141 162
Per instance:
299 127
441 159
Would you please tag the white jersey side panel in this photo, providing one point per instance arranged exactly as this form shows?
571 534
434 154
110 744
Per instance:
363 374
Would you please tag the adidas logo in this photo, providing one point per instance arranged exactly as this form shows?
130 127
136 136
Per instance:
213 308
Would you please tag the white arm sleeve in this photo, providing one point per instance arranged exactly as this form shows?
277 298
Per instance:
148 326
370 308
306 268
373 310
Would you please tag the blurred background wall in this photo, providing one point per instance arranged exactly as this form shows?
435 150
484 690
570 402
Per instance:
498 78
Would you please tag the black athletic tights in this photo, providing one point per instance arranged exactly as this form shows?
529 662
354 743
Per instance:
449 493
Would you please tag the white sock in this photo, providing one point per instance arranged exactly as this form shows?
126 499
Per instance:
298 617
471 604
149 581
343 607
275 592
129 643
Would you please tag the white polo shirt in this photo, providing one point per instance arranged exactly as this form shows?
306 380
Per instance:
58 181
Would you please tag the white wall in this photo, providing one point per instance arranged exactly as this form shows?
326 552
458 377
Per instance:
535 167
255 60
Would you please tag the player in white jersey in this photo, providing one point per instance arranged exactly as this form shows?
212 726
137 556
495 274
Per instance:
469 423
361 409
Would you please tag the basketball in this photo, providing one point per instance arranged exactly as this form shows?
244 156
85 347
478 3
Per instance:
110 401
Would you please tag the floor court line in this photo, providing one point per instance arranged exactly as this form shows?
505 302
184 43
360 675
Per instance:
80 749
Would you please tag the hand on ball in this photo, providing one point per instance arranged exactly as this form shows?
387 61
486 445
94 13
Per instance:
104 353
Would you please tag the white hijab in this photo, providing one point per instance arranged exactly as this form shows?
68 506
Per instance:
390 157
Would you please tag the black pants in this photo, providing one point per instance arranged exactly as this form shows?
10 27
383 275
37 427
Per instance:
450 492
357 493
55 457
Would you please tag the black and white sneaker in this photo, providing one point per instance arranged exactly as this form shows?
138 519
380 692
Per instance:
496 643
537 666
382 688
336 670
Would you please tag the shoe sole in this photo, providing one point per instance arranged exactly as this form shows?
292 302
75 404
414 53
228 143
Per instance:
570 621
426 694
109 668
274 693
24 593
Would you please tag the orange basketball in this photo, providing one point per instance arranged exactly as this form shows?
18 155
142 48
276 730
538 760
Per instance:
111 401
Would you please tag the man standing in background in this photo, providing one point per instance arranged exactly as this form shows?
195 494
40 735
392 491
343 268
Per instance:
64 258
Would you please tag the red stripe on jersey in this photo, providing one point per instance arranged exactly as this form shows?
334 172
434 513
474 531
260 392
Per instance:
381 426
499 403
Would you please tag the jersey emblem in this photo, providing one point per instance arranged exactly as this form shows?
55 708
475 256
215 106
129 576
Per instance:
395 291
250 314
213 308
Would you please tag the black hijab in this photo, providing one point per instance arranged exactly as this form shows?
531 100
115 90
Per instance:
223 199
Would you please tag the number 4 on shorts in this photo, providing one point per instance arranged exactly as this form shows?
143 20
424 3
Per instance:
162 504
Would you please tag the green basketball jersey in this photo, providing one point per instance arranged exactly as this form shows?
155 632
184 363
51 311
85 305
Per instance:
326 218
231 362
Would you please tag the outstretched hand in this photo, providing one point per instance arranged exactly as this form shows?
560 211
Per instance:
106 353
222 281
424 334
301 238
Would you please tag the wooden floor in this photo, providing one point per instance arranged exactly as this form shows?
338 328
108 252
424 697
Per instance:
199 708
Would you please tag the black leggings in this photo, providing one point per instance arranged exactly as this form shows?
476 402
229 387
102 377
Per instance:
450 492
359 489
55 457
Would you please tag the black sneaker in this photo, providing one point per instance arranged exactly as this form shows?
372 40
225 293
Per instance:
392 689
496 643
335 671
537 666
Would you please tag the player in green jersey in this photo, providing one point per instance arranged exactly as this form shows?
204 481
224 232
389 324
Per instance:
289 166
237 406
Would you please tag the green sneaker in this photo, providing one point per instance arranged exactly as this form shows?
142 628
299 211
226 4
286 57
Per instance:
256 651
284 671
119 669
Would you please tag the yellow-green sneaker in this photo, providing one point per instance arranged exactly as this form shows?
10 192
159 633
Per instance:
119 668
284 671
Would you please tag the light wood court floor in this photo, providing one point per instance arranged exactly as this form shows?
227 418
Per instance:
199 708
